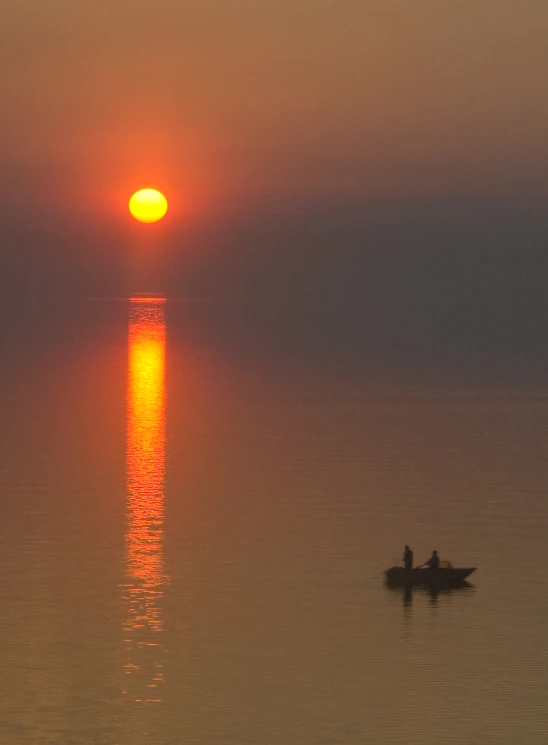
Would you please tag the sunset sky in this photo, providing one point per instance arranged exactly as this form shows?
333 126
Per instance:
377 138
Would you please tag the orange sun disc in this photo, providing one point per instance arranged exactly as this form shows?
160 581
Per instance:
148 205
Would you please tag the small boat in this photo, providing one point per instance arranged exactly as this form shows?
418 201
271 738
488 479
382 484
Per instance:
442 576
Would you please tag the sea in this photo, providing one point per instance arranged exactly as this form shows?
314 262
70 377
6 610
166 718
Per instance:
193 539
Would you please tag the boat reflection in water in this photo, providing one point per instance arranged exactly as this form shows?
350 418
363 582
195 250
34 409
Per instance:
145 574
444 579
432 590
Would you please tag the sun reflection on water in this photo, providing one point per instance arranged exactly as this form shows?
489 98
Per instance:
145 573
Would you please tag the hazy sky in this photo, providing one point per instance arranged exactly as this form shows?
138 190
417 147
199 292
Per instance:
226 99
306 146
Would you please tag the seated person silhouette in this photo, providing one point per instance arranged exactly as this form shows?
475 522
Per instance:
434 561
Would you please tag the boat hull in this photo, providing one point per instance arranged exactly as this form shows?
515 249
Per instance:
401 576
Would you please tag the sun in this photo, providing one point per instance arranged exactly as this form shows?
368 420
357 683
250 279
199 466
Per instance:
148 205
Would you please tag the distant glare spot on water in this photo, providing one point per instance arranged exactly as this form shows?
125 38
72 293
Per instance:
148 205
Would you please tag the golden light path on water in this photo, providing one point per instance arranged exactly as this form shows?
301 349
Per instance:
145 574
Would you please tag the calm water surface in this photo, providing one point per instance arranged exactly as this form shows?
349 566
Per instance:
193 545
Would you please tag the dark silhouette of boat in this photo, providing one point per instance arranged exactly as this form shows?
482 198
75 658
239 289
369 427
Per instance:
398 576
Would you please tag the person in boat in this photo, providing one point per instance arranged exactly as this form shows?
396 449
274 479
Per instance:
408 557
433 562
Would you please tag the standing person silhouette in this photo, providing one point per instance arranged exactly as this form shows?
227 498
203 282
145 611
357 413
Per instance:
408 557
